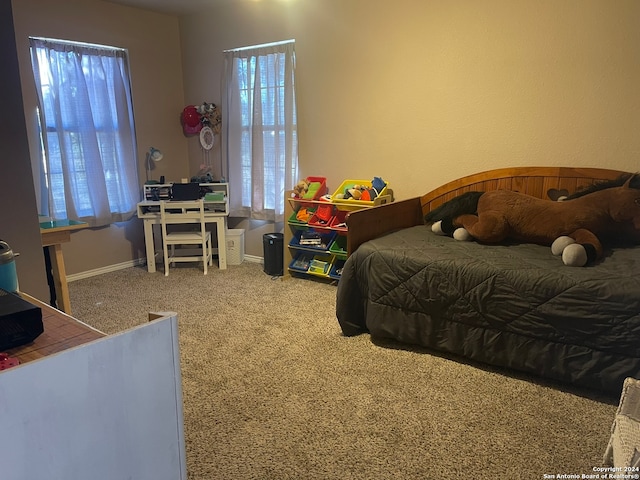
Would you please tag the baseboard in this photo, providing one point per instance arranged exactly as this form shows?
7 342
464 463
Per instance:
253 259
107 269
134 263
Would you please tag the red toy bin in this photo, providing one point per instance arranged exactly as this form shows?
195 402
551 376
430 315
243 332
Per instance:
338 222
315 194
323 215
317 222
322 189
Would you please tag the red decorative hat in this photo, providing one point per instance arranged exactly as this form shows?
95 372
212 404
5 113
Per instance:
191 120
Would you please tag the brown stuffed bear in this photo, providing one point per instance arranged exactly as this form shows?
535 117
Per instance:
300 188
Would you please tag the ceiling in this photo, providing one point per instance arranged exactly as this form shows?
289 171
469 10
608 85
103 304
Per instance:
174 7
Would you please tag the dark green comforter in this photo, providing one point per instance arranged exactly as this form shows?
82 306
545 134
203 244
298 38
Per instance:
514 306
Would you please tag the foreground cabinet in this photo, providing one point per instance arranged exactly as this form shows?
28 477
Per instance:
107 409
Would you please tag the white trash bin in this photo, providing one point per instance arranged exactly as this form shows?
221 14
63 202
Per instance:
235 246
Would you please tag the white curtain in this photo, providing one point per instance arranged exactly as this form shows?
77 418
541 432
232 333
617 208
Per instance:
86 121
259 129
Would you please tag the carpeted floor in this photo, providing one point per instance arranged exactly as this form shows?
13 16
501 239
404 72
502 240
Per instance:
272 390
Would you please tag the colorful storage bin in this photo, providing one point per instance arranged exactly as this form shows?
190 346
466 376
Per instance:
339 247
317 188
301 262
351 203
322 216
336 269
325 239
339 221
297 217
321 265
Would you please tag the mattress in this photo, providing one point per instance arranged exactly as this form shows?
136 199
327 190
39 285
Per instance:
512 305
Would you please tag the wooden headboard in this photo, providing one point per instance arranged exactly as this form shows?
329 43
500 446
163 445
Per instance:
370 223
535 181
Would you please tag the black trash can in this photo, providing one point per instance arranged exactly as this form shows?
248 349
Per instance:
273 244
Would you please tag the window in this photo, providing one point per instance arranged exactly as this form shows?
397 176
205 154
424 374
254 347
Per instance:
260 137
89 167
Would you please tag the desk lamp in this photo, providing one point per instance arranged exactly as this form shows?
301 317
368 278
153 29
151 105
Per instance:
153 155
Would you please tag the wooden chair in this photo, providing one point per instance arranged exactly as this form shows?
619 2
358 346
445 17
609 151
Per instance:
185 212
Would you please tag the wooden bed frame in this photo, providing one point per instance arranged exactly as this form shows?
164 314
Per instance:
373 222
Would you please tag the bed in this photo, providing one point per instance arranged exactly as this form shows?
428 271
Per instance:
513 306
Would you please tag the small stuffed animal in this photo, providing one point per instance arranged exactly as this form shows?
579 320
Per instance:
354 192
300 188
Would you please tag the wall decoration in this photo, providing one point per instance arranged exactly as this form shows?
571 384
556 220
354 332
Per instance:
205 121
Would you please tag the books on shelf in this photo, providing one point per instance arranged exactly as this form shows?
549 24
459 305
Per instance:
310 238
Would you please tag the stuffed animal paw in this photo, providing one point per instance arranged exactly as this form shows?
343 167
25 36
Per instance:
573 254
436 228
461 234
560 243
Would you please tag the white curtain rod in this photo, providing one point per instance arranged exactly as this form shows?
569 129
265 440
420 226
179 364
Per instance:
259 46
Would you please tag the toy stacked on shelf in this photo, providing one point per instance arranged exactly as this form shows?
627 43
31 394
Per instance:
317 232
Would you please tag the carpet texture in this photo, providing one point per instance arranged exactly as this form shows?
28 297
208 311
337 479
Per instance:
272 390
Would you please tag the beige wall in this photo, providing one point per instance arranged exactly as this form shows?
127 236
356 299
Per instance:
18 215
424 91
153 43
416 91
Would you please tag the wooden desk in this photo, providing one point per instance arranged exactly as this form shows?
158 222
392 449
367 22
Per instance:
54 233
61 332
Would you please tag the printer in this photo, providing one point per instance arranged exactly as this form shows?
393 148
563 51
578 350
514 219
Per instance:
20 321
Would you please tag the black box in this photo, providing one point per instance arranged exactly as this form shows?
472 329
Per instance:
273 244
20 321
